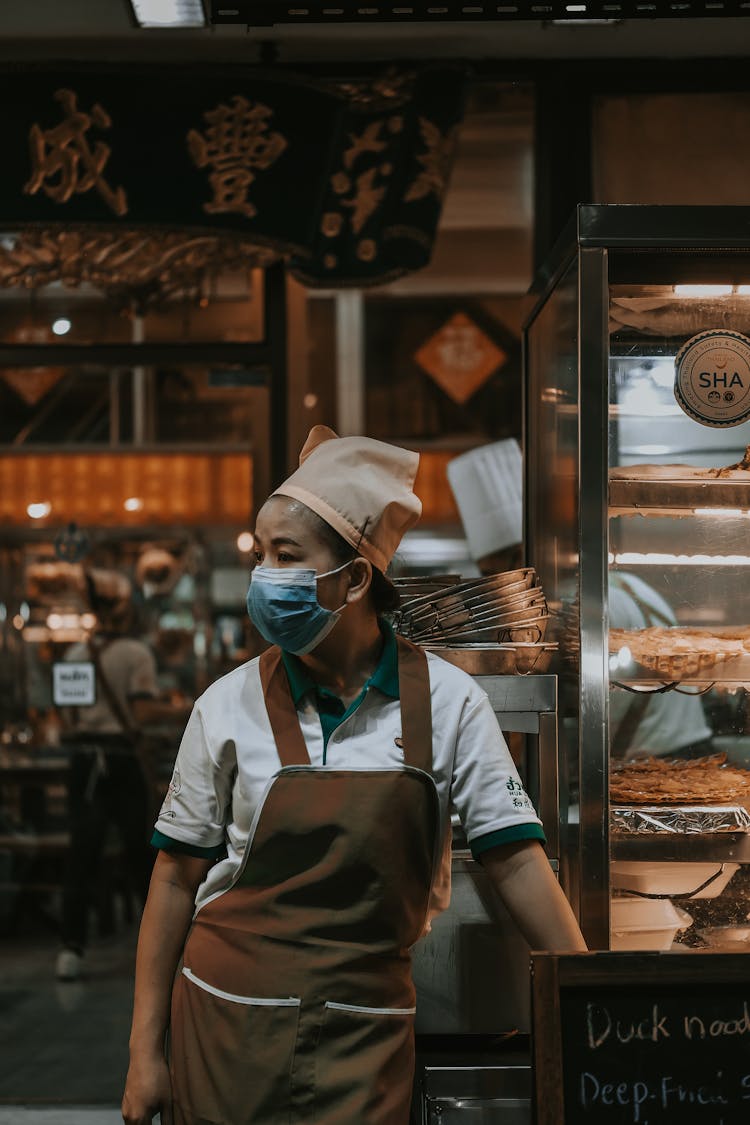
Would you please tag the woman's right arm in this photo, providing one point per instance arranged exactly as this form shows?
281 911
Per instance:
166 919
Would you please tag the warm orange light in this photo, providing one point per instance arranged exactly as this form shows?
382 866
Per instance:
127 488
432 488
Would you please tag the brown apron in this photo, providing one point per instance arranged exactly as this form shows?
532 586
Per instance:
295 1002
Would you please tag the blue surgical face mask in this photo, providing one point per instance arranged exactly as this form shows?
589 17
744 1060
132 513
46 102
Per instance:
283 605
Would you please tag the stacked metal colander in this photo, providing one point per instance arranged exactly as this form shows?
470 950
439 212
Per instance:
499 609
486 626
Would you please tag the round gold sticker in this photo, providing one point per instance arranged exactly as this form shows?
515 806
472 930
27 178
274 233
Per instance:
712 378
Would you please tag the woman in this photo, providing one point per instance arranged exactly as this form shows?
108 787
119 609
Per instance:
322 774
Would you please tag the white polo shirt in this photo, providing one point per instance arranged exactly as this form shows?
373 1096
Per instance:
228 755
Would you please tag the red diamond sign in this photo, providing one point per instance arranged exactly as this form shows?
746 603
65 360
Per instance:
460 357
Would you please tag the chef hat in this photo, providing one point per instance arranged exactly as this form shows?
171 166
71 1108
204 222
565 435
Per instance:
363 488
487 485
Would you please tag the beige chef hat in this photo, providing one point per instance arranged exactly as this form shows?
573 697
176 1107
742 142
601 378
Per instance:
363 488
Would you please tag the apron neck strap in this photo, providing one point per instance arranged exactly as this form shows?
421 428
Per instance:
416 708
290 742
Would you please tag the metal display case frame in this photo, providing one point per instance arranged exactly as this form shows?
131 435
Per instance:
603 245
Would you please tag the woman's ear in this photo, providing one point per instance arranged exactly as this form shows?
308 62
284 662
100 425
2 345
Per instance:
361 579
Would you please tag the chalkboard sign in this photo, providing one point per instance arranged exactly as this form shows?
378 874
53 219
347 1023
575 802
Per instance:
641 1038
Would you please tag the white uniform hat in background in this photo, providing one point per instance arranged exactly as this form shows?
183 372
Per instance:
487 484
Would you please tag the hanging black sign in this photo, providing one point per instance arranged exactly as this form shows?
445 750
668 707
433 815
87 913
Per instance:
347 182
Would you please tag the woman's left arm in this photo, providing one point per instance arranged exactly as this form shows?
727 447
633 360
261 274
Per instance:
522 876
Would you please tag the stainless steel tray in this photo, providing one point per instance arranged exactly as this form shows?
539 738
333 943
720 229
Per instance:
521 659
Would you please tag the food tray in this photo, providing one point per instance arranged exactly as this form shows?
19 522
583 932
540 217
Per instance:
677 653
650 820
650 879
497 660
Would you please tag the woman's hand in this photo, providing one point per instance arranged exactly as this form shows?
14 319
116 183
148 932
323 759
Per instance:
165 922
148 1091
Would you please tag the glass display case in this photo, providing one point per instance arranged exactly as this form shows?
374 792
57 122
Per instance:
638 523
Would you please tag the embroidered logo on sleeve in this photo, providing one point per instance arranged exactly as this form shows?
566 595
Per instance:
518 794
174 788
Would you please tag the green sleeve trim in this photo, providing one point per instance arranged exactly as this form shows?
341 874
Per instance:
506 836
167 844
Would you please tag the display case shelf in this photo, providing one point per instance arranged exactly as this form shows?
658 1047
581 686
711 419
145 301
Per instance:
716 847
678 497
730 672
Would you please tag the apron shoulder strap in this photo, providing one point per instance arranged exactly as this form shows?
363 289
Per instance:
416 705
287 733
416 708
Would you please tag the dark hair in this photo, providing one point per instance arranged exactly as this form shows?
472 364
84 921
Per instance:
384 595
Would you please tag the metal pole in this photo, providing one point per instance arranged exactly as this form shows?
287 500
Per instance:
350 362
593 758
275 337
139 387
114 407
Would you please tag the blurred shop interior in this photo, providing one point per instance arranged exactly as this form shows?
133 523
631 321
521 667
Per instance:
142 425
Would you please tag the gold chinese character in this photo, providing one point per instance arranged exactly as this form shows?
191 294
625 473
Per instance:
367 141
366 199
236 143
435 161
63 161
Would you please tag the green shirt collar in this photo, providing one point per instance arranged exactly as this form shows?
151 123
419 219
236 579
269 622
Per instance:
384 678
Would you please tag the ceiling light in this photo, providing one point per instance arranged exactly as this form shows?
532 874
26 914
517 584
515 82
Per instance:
62 326
655 558
39 511
245 542
169 13
703 290
133 504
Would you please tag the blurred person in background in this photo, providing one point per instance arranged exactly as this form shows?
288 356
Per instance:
488 486
107 784
651 724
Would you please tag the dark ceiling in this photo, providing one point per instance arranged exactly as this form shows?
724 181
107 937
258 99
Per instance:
102 29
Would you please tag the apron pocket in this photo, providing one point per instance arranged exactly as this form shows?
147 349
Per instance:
231 1055
364 1065
234 998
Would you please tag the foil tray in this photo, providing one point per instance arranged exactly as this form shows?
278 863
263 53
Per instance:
681 820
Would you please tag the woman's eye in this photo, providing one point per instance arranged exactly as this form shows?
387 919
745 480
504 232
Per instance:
258 556
284 557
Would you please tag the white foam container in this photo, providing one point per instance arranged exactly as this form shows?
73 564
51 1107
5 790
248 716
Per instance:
641 923
734 939
671 878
